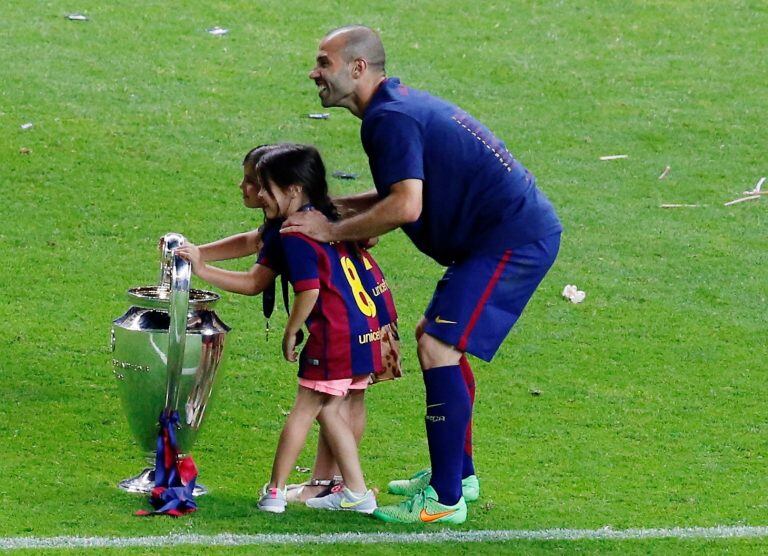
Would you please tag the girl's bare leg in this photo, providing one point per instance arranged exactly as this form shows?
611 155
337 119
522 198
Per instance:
341 440
305 410
325 468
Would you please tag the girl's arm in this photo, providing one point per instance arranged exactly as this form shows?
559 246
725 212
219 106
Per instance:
252 282
232 247
302 307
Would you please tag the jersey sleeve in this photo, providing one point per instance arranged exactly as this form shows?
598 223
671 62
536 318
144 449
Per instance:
302 262
395 147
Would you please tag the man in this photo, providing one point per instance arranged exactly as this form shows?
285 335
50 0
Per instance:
462 199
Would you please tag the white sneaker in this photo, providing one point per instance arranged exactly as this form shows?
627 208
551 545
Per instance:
345 499
294 492
272 500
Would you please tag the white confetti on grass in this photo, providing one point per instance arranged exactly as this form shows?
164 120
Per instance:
573 293
756 190
614 156
742 199
217 31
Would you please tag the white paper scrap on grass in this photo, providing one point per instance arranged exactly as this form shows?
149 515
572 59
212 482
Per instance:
741 200
758 186
27 126
573 294
665 172
77 17
217 31
677 205
614 156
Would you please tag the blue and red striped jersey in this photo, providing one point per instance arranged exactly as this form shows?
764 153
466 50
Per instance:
344 327
378 288
273 256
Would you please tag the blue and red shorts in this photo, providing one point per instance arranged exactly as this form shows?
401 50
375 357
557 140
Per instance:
478 300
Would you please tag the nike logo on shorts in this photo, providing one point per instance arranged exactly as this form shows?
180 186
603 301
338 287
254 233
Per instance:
439 320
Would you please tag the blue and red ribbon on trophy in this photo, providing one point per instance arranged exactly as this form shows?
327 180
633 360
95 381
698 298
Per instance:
174 477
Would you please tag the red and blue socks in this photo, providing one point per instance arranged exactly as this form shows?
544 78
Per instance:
469 381
449 411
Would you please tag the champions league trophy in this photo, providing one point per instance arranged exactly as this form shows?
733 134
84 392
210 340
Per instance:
167 349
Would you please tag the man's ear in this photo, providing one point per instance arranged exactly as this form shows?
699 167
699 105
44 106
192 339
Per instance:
360 65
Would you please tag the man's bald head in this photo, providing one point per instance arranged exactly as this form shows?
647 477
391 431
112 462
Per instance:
360 42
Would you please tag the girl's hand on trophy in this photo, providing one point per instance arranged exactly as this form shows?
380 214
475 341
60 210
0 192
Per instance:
289 346
191 252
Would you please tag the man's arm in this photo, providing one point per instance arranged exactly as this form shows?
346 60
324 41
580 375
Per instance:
402 206
350 205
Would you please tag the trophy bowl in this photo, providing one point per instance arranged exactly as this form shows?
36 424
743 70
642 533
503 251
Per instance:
166 353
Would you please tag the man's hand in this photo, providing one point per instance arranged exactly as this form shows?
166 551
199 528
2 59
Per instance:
191 252
311 223
289 346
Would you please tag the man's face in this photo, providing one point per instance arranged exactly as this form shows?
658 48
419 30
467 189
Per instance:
331 74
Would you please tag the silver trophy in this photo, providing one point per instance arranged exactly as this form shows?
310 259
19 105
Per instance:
167 349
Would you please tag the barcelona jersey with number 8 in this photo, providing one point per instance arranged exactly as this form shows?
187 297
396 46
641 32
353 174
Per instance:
344 327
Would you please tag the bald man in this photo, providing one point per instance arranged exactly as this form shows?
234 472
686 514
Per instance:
467 203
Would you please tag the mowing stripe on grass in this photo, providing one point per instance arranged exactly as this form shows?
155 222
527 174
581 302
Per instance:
228 539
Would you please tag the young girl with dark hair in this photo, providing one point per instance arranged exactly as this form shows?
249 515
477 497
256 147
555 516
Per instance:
341 294
343 347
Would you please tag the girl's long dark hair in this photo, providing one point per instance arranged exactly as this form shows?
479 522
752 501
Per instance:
254 155
289 164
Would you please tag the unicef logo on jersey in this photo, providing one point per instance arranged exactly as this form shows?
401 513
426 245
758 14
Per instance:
367 338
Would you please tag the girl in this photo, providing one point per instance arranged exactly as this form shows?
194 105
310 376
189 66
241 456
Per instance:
272 261
343 347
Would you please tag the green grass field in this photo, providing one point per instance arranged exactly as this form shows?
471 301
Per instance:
652 410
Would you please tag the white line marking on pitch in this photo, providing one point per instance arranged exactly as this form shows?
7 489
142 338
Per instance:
228 539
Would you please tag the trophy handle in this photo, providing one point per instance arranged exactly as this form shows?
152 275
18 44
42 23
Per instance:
180 274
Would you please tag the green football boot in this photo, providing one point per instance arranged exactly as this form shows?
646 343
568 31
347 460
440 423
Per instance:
409 487
423 508
470 486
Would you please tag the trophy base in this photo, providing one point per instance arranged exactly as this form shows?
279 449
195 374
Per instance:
144 482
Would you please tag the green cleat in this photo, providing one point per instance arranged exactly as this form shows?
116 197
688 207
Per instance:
470 486
412 486
423 508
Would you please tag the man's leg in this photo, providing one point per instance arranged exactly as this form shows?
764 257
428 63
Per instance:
449 411
470 484
448 415
469 380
